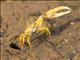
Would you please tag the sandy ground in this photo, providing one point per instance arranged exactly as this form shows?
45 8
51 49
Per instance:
64 43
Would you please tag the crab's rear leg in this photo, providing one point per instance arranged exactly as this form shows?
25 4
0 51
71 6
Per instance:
28 41
45 30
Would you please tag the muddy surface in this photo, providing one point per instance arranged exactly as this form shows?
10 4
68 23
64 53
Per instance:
64 43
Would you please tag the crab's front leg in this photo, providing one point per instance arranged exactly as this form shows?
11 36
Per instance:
45 30
21 40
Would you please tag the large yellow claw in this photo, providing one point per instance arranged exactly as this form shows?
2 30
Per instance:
56 12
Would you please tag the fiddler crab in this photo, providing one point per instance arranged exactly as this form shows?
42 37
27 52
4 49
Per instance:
37 26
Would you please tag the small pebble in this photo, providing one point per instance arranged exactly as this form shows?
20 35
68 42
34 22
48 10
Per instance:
66 40
70 34
72 23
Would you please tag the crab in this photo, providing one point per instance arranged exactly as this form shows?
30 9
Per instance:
37 26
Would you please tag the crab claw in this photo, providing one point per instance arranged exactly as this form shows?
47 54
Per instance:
56 12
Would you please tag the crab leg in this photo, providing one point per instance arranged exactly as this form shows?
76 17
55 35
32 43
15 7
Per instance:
44 29
21 40
28 40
